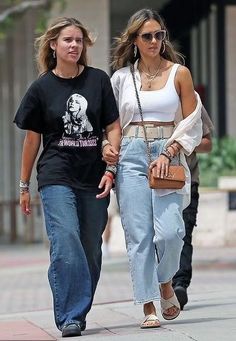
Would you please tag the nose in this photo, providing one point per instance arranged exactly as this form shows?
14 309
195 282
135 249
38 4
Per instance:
153 37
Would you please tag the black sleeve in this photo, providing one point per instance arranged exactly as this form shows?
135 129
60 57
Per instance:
29 114
109 109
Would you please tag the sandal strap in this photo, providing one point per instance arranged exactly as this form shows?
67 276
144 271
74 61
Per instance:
150 318
169 303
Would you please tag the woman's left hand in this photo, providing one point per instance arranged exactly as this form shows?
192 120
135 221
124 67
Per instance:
106 183
161 166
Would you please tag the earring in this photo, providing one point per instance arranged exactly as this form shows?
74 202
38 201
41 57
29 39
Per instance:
135 51
163 47
54 54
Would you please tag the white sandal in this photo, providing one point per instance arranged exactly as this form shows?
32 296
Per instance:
171 302
152 319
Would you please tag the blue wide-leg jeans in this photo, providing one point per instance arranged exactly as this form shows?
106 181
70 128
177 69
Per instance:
75 221
153 223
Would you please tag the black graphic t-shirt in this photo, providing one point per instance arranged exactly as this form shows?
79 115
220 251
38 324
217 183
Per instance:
71 115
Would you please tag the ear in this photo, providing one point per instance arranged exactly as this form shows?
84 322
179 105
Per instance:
53 45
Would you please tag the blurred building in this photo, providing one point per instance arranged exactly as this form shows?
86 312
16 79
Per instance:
203 30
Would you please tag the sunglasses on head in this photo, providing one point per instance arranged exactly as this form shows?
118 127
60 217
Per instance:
148 37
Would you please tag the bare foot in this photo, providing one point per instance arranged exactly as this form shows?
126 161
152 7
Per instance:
149 308
151 320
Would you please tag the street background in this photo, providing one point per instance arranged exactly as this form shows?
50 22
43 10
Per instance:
26 304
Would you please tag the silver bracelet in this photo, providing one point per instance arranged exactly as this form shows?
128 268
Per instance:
105 143
24 190
112 169
24 184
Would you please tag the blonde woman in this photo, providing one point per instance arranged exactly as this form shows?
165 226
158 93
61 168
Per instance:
152 219
72 180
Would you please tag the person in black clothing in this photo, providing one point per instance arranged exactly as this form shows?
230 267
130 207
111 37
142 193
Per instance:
182 278
70 105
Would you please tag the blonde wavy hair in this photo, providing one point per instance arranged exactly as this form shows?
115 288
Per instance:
44 57
123 47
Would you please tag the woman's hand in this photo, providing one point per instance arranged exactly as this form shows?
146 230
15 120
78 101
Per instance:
161 165
106 183
25 203
110 155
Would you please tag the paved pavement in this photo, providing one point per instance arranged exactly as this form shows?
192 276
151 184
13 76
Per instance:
26 314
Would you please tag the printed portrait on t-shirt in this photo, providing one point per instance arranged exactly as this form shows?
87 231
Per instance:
75 119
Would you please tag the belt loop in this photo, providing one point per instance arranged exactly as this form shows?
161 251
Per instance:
136 131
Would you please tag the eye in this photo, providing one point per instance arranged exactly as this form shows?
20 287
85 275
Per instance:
160 35
79 41
147 36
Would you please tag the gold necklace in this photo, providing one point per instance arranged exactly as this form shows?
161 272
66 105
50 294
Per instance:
61 75
151 77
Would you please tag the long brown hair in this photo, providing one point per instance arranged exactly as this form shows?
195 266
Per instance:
123 50
45 59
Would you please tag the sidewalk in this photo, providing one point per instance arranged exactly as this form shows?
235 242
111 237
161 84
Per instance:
26 314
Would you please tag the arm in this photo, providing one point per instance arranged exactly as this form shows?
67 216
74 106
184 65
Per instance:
111 145
185 90
30 150
113 134
205 146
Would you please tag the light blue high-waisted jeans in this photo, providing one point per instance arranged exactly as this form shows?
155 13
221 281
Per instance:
153 224
75 221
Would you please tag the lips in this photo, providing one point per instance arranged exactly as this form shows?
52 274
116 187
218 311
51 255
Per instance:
73 53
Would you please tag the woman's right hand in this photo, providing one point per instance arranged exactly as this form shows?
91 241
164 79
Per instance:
25 203
110 155
161 166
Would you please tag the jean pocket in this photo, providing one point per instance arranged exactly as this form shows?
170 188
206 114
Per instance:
125 143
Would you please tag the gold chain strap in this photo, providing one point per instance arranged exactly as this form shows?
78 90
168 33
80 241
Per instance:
141 114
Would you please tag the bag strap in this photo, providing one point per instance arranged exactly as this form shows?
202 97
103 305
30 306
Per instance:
141 114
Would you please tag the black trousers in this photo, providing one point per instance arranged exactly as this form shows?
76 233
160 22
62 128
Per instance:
184 274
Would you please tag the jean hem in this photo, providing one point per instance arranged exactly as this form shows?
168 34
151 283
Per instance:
147 300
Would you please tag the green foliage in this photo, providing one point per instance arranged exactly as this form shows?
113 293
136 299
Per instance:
220 162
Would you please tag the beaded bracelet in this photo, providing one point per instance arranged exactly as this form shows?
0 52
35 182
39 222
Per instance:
169 158
175 149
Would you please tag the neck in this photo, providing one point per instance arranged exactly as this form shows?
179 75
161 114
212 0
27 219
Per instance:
150 65
66 71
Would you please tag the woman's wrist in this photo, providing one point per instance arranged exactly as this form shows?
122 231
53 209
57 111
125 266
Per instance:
173 149
24 186
166 154
105 143
109 175
112 169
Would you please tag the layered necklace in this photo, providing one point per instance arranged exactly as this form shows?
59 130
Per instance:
58 74
150 77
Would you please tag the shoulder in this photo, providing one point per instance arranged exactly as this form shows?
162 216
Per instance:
120 76
41 81
95 72
183 72
121 72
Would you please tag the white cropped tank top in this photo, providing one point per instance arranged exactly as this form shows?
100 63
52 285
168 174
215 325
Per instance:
159 105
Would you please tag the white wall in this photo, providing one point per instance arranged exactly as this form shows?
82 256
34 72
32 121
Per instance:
230 31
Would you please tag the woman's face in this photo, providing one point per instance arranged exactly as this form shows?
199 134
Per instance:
149 39
69 44
74 104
